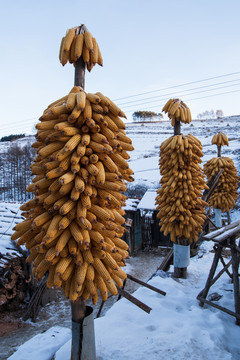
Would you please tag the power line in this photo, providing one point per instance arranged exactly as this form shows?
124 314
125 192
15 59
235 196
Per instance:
196 92
195 88
175 86
26 122
202 97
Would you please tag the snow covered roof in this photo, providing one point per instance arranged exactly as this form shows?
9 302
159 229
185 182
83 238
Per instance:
131 204
148 200
10 215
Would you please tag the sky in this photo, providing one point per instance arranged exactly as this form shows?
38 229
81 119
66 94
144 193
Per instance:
149 47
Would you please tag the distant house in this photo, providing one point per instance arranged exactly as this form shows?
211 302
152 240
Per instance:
151 235
133 235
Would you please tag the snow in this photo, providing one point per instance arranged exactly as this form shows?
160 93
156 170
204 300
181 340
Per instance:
131 204
148 200
10 215
177 328
43 346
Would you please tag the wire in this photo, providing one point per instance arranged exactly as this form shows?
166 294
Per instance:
175 86
199 87
24 125
195 92
202 97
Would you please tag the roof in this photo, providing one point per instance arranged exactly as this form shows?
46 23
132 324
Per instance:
131 204
148 200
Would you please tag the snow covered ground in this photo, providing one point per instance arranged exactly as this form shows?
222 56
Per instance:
177 328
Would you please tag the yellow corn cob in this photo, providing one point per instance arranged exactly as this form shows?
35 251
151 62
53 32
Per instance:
66 178
68 206
52 198
68 272
81 150
50 254
70 104
87 112
79 45
111 286
53 227
84 223
68 39
41 219
80 273
57 279
90 273
76 232
100 212
64 252
42 268
75 194
92 289
100 60
88 40
85 294
72 247
86 238
85 200
87 256
109 163
62 241
85 139
101 269
79 258
81 100
72 143
69 131
63 264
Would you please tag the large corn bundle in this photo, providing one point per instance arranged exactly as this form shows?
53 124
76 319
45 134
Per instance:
75 222
181 209
225 195
78 42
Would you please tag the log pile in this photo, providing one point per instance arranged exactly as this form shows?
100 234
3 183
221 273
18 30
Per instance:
15 280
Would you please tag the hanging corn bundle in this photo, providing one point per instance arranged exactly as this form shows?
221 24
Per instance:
225 195
181 209
74 224
78 42
177 110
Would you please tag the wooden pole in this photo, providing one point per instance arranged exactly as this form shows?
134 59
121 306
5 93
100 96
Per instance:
235 267
179 272
218 212
78 307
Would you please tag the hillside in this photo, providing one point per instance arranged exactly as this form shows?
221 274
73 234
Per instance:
147 137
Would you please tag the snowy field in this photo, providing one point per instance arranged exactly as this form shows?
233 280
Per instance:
177 328
146 139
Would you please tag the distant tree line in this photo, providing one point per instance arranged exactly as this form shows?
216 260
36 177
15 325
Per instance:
210 114
146 115
15 172
12 137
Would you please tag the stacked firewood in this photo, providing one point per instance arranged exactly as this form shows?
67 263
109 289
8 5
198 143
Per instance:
14 281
